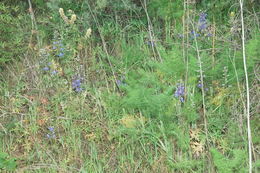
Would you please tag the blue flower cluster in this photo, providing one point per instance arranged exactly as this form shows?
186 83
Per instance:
202 21
180 92
59 48
48 68
76 84
51 134
194 34
151 43
121 82
200 86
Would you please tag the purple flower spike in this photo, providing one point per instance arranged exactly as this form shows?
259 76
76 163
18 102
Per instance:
76 84
180 92
61 54
78 89
45 68
199 85
51 134
194 34
54 72
118 82
51 129
209 35
202 21
182 99
151 43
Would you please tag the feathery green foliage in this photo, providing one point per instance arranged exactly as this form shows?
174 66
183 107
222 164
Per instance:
118 88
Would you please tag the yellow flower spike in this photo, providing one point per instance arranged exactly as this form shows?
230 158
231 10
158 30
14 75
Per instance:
63 16
73 19
88 33
232 14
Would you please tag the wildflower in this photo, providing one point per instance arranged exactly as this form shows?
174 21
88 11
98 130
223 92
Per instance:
194 34
78 89
202 21
180 92
45 68
76 84
151 43
209 35
54 72
51 134
61 54
88 33
65 18
51 129
182 99
180 35
120 82
73 19
59 48
232 14
200 86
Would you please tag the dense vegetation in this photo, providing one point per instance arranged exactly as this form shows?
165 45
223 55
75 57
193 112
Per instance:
128 86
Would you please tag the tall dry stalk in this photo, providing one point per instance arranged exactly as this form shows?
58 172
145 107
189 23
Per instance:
247 90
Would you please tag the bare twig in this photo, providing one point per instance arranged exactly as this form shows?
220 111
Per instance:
150 30
247 90
34 24
104 46
202 87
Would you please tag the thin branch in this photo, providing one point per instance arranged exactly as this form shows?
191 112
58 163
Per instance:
150 30
247 91
202 87
104 46
34 24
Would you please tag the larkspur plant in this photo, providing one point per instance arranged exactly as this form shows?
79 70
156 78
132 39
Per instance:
202 21
48 67
58 48
199 85
155 103
45 68
51 134
54 72
180 92
194 34
76 84
120 82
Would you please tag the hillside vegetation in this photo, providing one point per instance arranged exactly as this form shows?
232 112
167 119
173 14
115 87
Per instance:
129 86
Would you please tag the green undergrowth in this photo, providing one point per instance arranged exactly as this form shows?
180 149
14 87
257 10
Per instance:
100 96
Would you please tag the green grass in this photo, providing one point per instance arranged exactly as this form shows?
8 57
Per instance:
135 124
